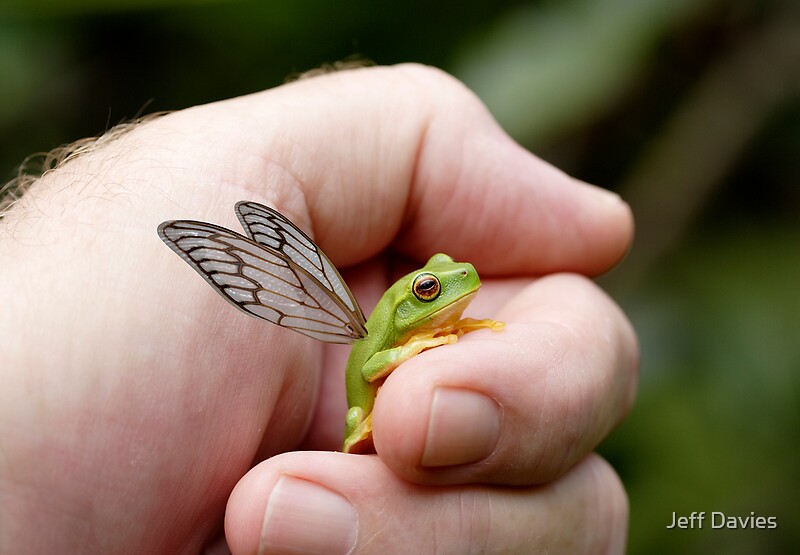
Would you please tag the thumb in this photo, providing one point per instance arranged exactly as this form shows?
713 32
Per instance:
315 502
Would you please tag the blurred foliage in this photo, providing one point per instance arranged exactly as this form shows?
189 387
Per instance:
717 421
574 58
689 108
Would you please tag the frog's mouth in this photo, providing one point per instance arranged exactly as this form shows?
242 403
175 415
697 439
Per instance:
448 315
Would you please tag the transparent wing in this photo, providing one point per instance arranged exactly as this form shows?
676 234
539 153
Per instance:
263 281
273 230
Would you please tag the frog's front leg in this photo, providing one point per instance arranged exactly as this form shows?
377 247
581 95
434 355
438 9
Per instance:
382 363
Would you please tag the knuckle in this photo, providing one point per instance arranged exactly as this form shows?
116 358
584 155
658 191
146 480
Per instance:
446 93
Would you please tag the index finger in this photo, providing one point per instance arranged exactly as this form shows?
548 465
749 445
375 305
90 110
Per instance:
408 156
403 156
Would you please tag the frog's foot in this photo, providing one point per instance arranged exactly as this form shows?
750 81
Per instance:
467 325
359 440
355 415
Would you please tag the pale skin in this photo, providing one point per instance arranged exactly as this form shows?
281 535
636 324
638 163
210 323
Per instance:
135 402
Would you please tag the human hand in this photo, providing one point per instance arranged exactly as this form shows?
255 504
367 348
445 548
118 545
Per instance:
134 399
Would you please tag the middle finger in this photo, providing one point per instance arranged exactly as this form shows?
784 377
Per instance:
521 406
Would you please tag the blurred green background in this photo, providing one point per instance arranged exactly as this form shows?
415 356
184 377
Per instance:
688 108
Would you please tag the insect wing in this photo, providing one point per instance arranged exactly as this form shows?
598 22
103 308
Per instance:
273 230
261 281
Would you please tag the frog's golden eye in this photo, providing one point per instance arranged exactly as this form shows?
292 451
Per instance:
426 287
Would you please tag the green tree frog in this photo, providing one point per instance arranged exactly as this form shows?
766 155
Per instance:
277 273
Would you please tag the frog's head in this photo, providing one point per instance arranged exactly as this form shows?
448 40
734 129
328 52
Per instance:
435 295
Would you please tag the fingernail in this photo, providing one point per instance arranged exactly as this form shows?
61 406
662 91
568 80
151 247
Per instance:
463 428
305 518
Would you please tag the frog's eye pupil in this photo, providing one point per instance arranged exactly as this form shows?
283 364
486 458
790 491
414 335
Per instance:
426 287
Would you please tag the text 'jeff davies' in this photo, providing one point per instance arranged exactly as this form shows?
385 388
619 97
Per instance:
718 520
